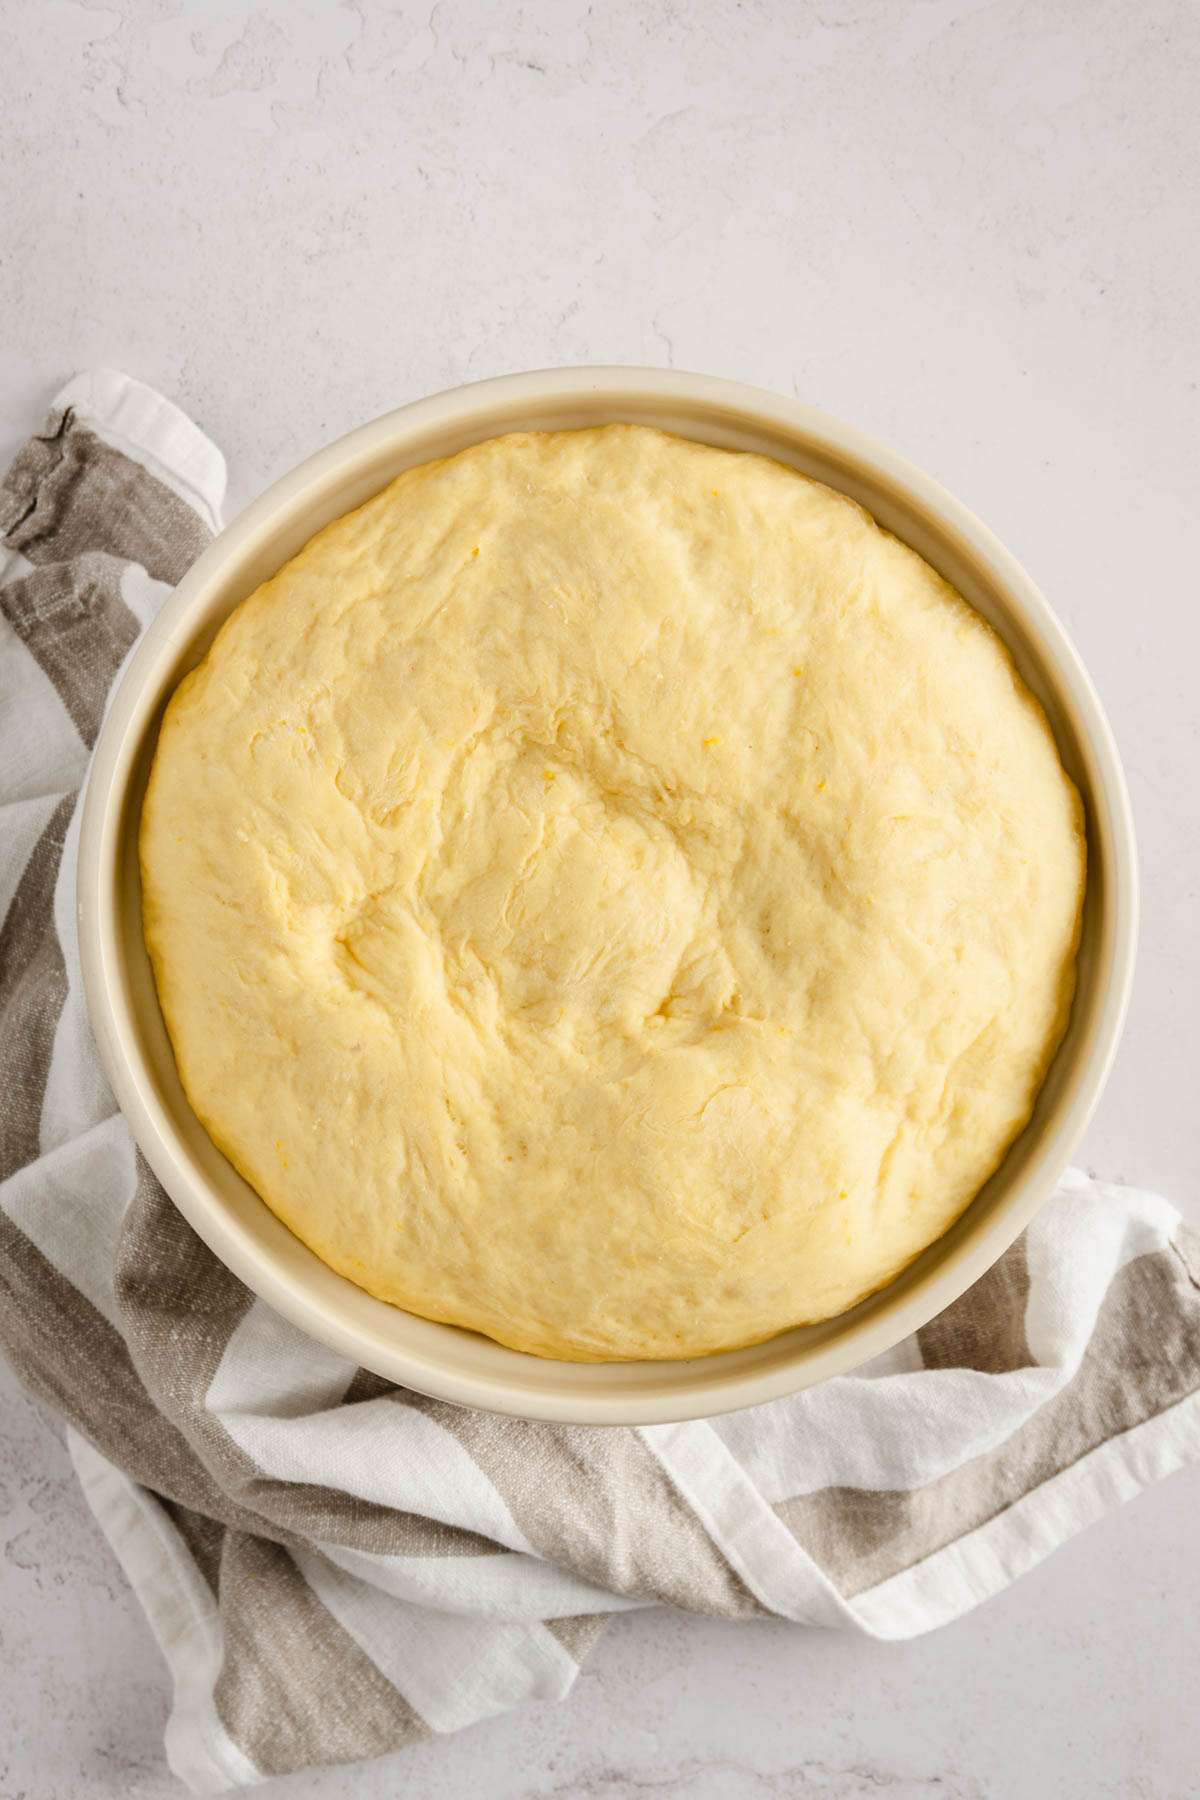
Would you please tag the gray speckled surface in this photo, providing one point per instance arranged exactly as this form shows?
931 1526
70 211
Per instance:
970 228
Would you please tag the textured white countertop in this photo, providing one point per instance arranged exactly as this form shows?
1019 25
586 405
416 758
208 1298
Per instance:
971 228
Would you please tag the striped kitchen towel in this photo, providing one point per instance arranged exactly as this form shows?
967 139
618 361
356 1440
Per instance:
335 1566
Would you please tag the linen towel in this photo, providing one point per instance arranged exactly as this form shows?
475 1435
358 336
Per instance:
334 1566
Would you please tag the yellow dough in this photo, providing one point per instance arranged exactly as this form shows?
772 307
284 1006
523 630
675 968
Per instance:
608 893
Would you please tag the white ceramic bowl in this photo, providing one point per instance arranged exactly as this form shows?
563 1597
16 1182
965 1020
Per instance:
441 1359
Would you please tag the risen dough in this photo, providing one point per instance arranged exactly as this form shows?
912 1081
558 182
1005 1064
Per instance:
609 893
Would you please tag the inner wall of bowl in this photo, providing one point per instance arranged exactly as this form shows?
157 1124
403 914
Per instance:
250 1231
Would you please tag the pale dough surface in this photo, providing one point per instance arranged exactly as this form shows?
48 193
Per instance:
608 893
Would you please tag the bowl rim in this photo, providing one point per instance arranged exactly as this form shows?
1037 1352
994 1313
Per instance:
110 1007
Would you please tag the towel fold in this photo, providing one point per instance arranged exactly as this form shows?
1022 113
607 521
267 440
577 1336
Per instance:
335 1566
